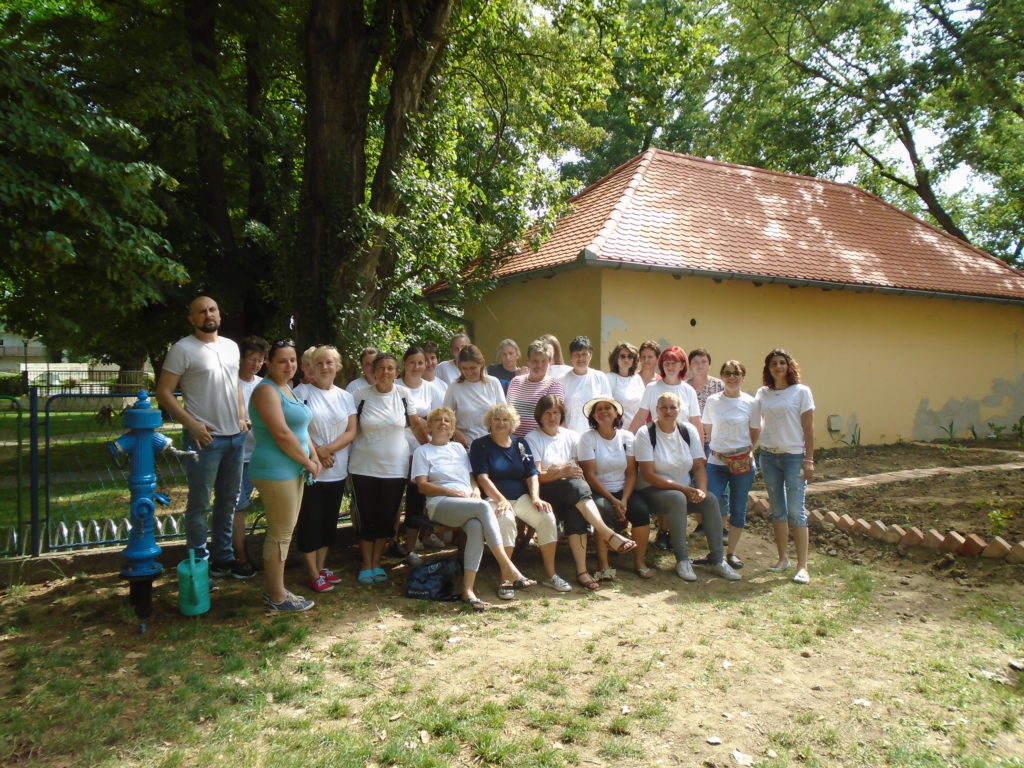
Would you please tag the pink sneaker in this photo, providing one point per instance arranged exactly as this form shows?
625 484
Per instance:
329 576
320 584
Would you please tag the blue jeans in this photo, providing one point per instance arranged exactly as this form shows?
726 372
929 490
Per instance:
218 471
732 492
781 472
245 492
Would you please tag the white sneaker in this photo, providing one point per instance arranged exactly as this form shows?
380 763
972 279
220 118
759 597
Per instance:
557 583
802 577
685 571
725 570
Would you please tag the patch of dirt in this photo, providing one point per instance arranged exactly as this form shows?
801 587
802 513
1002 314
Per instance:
837 463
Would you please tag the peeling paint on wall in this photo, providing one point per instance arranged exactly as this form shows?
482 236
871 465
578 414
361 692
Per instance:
612 325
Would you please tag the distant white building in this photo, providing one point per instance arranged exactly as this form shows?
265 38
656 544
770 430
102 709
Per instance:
17 351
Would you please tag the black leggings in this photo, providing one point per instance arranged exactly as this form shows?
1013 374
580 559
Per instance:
377 501
318 515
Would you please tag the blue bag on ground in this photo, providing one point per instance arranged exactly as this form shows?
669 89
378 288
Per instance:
434 580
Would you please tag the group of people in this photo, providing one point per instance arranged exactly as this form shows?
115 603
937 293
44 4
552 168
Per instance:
504 453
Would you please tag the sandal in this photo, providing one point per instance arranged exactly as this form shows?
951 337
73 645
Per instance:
365 577
607 574
734 561
476 604
524 583
628 545
644 572
589 583
379 575
506 591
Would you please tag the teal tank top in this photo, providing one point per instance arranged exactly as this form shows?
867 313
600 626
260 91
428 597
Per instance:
268 461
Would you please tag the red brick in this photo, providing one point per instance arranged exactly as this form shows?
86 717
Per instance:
973 545
1016 554
762 507
933 539
845 523
832 517
912 538
894 534
861 526
816 518
997 548
877 530
952 542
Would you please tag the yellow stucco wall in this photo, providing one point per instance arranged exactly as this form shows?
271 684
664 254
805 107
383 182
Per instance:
898 367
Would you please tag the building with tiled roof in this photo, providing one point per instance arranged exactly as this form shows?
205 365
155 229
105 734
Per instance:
900 328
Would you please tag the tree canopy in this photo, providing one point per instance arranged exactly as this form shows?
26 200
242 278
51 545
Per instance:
316 164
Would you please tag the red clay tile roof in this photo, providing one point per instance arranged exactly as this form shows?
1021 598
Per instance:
683 214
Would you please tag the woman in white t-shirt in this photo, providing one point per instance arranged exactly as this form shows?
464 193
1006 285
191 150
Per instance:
581 383
667 451
787 454
441 469
732 418
673 365
626 385
379 462
472 394
332 430
562 485
605 454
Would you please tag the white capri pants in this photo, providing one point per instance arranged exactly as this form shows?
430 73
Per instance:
543 522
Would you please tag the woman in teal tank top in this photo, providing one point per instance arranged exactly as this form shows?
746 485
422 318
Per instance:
283 453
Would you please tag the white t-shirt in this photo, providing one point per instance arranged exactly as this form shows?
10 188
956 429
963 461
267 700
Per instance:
425 398
445 465
250 438
688 405
553 449
208 380
673 457
578 390
380 448
558 370
331 411
447 371
609 455
781 409
629 391
470 401
731 419
356 384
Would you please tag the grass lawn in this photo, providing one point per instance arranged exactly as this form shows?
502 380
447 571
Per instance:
869 665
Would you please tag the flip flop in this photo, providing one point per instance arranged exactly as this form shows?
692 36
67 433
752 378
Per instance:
477 604
644 572
628 545
365 577
523 583
379 575
591 583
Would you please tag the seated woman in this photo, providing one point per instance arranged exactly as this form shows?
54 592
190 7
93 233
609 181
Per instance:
507 475
605 454
441 471
667 451
563 486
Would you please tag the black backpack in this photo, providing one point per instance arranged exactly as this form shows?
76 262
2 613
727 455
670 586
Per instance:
434 580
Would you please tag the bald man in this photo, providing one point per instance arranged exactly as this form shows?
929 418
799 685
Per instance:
204 366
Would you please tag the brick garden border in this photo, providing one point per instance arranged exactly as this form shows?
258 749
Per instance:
969 545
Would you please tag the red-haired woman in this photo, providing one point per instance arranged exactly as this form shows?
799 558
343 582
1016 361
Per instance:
673 365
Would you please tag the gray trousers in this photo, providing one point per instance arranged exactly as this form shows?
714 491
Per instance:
674 506
476 517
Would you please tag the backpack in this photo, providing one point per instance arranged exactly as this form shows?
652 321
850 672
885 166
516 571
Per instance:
405 410
433 580
652 432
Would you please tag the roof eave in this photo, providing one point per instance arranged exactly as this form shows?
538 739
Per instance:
588 258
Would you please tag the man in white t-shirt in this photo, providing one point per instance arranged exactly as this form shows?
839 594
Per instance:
205 368
448 371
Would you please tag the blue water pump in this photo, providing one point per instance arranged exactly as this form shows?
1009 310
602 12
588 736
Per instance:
142 443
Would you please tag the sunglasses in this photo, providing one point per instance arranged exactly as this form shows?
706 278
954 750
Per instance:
281 343
731 373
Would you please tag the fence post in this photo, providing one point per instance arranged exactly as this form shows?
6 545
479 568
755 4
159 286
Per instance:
33 469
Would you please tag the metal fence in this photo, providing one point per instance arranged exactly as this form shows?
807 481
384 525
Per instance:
61 487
